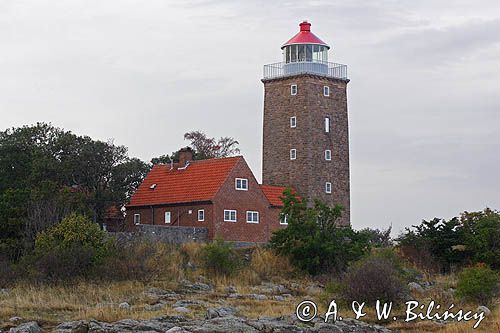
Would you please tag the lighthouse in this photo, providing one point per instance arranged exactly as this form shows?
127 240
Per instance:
305 129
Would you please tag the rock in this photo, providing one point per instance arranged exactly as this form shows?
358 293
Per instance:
314 290
220 312
15 320
187 302
258 297
195 287
413 286
124 306
154 307
231 290
79 326
182 309
235 295
175 329
451 291
279 298
287 295
4 292
29 327
223 322
484 309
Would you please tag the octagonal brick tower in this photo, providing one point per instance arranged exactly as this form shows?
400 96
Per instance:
306 134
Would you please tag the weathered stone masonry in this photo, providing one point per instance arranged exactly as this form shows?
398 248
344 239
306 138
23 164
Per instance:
310 171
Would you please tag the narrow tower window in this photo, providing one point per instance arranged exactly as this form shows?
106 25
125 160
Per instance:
293 89
328 155
328 187
293 122
327 125
293 154
326 91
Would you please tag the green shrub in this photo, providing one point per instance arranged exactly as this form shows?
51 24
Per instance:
69 249
313 241
373 278
478 283
219 258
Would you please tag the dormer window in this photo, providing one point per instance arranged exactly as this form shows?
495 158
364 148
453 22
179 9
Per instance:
241 184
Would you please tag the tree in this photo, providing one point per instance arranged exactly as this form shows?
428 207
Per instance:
206 147
313 240
59 172
469 238
377 237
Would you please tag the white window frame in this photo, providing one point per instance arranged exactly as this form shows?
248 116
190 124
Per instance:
293 154
168 217
252 213
293 122
327 124
230 211
328 188
284 220
326 91
242 181
202 211
137 219
293 89
328 155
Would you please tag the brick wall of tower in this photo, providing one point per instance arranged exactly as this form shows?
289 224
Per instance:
310 171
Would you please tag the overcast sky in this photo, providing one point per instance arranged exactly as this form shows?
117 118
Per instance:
424 96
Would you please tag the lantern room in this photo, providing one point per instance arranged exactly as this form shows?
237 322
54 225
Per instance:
305 46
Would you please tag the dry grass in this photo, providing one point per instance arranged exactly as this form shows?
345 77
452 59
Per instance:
50 305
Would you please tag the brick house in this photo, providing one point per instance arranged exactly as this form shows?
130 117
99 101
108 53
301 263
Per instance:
220 194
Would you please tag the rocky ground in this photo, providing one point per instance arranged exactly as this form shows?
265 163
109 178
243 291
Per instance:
197 307
222 323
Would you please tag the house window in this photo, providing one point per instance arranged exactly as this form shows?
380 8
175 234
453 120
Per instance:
328 155
328 187
201 215
293 122
293 89
293 154
252 217
137 218
284 220
229 215
326 91
327 124
167 217
241 184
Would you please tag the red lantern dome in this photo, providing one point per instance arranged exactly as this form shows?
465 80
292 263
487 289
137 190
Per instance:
305 36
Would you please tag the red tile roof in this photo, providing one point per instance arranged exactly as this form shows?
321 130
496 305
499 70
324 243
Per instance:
273 194
199 182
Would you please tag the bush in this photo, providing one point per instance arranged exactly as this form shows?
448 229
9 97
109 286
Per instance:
373 278
69 249
313 241
478 283
219 258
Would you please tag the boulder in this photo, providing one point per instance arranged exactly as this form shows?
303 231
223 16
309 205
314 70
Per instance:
484 309
29 327
231 290
15 320
154 307
182 309
124 306
413 286
220 312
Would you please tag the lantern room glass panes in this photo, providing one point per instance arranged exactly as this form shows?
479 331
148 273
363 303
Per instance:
305 52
